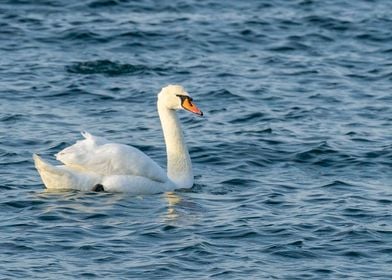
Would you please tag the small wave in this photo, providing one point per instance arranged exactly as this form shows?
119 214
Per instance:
374 37
313 37
330 23
103 4
290 250
256 116
12 118
21 204
338 184
49 218
240 182
324 155
111 68
15 247
79 36
139 35
290 47
226 94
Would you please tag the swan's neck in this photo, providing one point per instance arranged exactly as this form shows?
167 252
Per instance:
179 167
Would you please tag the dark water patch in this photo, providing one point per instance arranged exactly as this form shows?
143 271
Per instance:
15 163
313 37
97 216
321 149
328 99
323 271
5 187
15 246
139 35
12 118
374 37
339 185
49 218
110 68
224 94
56 147
7 154
66 93
206 158
22 204
318 198
290 250
250 117
355 254
327 229
386 251
259 163
197 249
235 233
274 202
291 46
79 36
324 155
385 201
330 23
240 182
104 3
88 275
196 188
381 153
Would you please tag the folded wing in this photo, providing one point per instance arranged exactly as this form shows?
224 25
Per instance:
98 155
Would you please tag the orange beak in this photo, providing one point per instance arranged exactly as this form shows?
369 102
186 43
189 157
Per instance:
188 105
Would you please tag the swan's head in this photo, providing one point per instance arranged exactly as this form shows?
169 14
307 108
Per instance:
175 97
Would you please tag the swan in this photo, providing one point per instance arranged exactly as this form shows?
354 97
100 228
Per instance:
96 164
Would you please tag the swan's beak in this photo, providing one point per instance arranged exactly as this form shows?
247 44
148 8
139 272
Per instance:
188 105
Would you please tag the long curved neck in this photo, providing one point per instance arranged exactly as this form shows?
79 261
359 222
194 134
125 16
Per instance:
179 166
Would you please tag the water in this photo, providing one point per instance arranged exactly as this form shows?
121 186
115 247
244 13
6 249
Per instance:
292 159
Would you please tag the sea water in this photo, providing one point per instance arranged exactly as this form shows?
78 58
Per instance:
292 161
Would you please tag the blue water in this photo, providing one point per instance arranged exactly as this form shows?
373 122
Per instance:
293 159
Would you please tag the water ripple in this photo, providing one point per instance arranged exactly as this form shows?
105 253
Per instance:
111 68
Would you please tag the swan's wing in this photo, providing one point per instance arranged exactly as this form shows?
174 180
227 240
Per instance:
76 155
96 154
63 177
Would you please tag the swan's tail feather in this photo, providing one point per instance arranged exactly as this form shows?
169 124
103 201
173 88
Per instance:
52 176
62 177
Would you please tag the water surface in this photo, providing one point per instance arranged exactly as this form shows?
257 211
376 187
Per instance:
292 159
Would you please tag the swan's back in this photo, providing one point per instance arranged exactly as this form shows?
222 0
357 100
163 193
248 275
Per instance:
96 154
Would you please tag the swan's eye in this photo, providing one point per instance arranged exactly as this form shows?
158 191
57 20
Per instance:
184 97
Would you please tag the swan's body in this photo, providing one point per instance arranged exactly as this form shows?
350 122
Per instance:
121 168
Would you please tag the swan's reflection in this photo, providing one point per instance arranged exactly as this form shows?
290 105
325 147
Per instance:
82 202
175 207
172 200
181 209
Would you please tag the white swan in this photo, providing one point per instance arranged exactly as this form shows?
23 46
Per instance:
97 164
